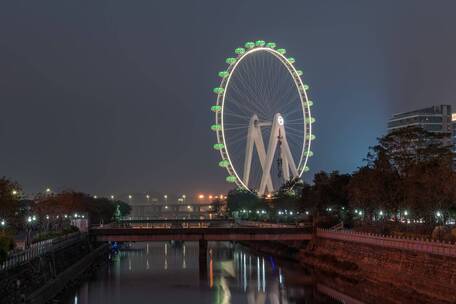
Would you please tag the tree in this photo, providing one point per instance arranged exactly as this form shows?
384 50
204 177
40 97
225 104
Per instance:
409 169
330 190
9 200
242 199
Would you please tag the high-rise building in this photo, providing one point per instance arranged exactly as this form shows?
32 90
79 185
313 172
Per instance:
433 119
436 119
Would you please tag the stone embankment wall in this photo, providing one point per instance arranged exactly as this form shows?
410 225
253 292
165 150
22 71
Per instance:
373 267
39 279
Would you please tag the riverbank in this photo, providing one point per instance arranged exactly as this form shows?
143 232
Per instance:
371 272
40 279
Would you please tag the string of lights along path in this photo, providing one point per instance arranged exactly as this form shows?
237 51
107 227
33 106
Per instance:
262 96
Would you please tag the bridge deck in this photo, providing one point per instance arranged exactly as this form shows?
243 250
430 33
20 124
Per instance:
197 234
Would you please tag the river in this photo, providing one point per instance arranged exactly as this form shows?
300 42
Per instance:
164 272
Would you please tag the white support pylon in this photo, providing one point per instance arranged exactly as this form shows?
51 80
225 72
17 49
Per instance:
255 138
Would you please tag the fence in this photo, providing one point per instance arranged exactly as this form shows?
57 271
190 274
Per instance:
37 249
270 225
427 246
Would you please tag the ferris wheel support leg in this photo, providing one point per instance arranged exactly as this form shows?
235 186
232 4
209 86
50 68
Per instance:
285 168
270 154
259 143
288 156
249 150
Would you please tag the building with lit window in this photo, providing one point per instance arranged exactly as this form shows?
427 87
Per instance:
436 119
433 119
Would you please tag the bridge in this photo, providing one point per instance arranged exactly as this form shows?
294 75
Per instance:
143 230
174 210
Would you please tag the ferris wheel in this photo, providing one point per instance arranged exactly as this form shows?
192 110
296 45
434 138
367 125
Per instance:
262 118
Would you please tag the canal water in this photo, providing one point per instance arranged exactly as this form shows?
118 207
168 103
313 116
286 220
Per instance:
164 272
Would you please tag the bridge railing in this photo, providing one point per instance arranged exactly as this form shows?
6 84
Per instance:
419 245
270 225
15 259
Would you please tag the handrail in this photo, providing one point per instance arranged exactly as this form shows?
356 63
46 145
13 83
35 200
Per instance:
15 259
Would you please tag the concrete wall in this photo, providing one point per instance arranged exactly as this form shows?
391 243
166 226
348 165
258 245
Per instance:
382 274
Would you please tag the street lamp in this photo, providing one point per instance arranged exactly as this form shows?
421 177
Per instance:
201 196
183 198
166 198
48 190
147 196
112 197
30 220
130 197
14 192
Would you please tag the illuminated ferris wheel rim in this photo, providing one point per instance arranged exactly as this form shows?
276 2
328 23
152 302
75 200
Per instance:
221 145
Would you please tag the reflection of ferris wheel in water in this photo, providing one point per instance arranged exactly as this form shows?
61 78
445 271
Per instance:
262 97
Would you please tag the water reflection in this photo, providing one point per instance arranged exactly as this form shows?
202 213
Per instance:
165 272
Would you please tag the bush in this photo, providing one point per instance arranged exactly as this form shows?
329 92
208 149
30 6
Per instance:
54 234
6 245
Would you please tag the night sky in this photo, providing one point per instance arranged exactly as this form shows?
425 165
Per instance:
114 96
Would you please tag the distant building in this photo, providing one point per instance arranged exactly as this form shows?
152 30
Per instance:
433 119
436 119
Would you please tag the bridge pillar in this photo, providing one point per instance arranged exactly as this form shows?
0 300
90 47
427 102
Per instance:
203 260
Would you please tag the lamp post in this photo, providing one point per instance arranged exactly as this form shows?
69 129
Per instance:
3 225
29 225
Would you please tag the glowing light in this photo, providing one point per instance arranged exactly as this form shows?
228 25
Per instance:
48 190
3 223
95 197
405 212
130 197
112 197
210 196
147 196
280 120
201 196
14 192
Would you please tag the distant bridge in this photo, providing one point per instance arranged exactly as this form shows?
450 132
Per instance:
173 210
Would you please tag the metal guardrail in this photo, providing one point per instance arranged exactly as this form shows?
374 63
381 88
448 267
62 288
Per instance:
427 246
15 259
271 225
